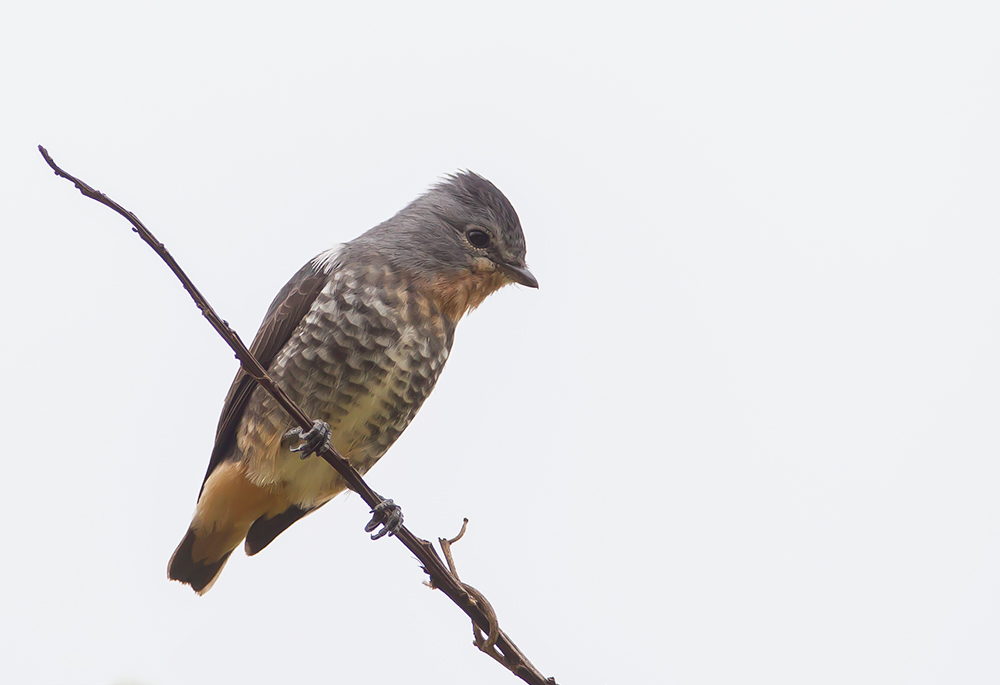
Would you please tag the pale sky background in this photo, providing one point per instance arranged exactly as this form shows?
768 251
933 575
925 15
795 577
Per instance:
745 432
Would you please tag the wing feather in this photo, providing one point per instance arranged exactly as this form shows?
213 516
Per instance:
286 312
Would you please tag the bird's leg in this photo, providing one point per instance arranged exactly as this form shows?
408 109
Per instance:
388 514
313 441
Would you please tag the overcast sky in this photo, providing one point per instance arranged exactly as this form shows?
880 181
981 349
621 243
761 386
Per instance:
745 432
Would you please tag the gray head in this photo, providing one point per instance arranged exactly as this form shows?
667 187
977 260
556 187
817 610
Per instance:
463 225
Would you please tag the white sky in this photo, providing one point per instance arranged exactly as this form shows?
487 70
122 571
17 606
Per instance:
745 432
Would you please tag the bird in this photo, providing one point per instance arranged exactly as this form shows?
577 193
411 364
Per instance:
357 338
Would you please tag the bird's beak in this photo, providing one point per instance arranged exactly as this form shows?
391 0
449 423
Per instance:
519 274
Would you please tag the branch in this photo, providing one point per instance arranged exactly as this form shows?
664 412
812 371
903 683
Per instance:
441 577
486 644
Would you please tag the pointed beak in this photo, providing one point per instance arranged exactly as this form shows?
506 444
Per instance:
519 274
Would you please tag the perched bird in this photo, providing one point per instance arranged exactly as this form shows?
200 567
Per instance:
357 338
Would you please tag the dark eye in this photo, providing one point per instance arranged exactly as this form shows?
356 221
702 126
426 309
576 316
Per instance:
478 238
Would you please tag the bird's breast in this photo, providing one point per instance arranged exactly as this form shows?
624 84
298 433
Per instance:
364 359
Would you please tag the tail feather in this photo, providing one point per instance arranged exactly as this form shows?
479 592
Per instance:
228 506
264 530
200 574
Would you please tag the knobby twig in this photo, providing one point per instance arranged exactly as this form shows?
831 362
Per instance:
485 643
441 578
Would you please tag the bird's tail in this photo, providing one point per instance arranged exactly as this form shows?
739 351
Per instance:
228 506
197 563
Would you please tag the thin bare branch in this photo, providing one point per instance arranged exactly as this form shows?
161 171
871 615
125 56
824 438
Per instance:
472 603
485 643
461 533
446 546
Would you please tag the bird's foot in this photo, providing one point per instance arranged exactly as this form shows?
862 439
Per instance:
388 514
313 440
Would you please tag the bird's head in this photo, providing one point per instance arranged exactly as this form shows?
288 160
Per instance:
482 226
462 239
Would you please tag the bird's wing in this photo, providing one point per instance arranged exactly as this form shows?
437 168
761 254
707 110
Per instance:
284 315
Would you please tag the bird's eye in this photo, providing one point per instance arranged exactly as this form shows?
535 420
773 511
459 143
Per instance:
478 238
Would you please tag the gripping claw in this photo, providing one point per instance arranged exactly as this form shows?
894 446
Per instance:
388 514
313 441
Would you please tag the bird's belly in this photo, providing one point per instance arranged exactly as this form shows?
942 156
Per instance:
363 426
359 365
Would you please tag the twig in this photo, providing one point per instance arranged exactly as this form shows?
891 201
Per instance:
488 642
441 578
446 547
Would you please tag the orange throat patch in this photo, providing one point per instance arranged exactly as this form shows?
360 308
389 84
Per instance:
457 295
